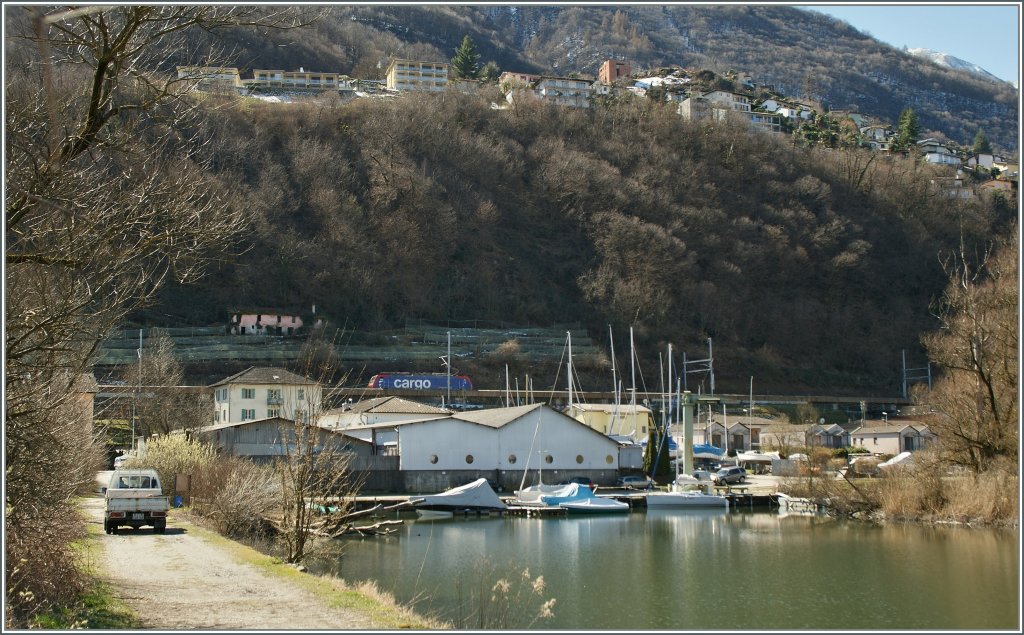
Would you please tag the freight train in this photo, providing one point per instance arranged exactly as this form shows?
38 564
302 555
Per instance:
428 381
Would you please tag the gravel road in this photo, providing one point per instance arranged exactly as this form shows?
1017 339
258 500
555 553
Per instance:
180 581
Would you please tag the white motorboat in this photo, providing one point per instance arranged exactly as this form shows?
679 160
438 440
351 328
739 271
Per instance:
594 505
685 498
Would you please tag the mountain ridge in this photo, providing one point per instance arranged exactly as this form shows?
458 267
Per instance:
951 61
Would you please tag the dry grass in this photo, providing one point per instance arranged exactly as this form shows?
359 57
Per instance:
986 498
920 493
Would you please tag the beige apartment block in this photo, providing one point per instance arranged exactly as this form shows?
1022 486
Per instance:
405 75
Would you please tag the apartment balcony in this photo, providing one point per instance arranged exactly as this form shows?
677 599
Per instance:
275 401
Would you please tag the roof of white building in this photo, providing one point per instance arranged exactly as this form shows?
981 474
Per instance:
280 421
492 418
389 405
611 408
265 375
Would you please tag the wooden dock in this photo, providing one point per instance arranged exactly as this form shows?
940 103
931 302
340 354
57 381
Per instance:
739 497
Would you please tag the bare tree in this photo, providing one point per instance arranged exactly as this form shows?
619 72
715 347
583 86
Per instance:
315 476
976 395
107 197
163 405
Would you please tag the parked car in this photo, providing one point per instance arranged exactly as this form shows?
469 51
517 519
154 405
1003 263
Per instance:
634 482
728 475
582 480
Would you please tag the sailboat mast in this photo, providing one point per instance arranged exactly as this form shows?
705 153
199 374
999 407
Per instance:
632 368
569 334
669 387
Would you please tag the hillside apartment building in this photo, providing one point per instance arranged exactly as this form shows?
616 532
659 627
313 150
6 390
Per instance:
419 76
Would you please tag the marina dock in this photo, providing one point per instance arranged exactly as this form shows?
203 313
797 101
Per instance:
739 496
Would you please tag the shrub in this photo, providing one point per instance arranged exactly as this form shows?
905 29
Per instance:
507 351
235 495
174 454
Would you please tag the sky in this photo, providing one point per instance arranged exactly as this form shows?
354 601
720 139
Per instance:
983 34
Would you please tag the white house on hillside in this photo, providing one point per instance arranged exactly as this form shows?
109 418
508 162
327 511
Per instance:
892 439
262 393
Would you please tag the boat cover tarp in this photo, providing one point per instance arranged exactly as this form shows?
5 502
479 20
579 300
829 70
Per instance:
707 448
571 492
903 458
756 457
707 451
532 495
475 495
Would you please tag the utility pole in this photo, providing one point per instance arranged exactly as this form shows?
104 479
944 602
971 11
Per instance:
138 389
709 368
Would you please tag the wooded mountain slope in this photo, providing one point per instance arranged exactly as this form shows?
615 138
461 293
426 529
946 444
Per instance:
804 54
807 267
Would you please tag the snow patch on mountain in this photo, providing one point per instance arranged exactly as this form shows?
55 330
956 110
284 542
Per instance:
947 60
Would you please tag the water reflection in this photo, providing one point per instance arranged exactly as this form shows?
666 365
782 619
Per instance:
706 569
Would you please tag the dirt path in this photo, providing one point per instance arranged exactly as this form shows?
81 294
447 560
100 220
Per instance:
180 581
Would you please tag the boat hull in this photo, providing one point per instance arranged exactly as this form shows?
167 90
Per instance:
594 506
685 499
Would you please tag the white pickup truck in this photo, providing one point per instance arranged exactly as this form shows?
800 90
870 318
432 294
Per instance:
134 498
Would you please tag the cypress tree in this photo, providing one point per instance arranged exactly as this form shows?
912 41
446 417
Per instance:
909 129
981 144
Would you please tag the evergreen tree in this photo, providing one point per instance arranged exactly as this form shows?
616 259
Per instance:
909 130
981 144
490 72
656 457
466 62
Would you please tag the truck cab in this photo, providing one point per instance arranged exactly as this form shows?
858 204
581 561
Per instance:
135 499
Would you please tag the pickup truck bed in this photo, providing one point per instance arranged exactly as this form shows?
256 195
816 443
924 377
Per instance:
135 499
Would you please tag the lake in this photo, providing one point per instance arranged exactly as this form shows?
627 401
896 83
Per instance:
697 570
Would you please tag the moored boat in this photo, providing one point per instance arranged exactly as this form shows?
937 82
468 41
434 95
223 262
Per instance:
594 505
685 499
471 497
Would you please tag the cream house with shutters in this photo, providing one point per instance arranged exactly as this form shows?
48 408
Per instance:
261 393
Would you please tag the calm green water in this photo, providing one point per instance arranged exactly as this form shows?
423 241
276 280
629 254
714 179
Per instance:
706 570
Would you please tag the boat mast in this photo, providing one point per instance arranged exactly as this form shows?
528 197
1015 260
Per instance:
668 430
632 368
615 383
569 334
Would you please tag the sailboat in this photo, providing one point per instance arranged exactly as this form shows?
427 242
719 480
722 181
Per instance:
676 496
532 495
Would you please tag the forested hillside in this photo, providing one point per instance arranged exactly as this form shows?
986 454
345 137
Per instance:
807 267
804 54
